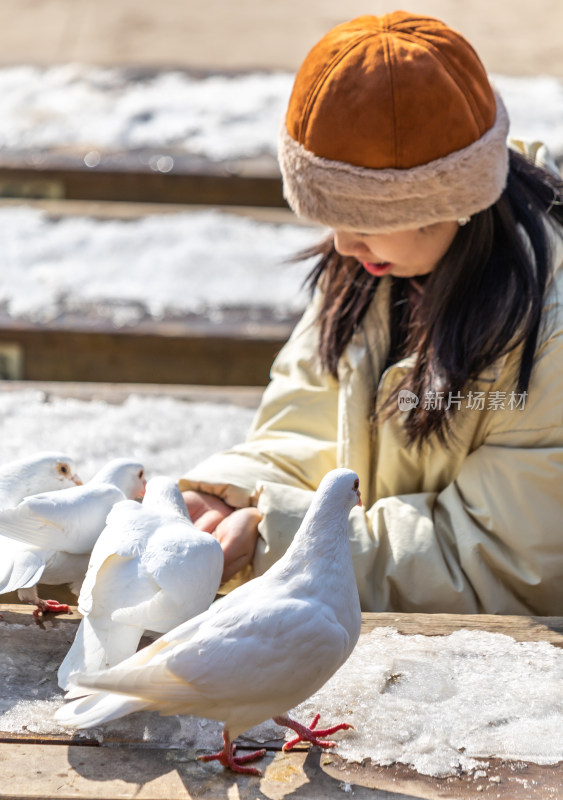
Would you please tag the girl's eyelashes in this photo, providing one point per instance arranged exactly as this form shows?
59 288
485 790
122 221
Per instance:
431 227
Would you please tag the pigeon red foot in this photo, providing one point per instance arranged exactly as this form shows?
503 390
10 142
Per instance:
50 607
309 734
227 758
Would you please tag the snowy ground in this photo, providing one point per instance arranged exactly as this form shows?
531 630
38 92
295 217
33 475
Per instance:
160 266
167 435
78 106
219 117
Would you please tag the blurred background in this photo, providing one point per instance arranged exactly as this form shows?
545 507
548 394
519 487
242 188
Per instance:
515 38
145 238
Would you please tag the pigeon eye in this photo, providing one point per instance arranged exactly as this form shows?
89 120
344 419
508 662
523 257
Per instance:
63 468
141 473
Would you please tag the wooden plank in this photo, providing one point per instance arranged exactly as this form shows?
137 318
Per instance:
242 396
236 350
111 773
520 628
17 613
172 353
234 183
61 772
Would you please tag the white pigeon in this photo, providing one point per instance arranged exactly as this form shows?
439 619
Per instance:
60 528
150 569
256 653
20 564
40 472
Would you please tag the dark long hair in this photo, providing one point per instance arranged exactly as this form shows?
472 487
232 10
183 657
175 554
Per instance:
483 299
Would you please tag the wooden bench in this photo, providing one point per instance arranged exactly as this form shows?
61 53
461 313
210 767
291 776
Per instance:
69 768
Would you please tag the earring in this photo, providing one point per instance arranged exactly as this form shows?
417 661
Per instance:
463 221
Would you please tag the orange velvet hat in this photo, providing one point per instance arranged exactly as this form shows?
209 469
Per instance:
392 124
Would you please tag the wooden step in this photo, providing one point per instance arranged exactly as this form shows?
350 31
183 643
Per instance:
126 177
191 352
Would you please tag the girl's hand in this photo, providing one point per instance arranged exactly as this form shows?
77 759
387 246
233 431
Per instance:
236 530
206 510
237 534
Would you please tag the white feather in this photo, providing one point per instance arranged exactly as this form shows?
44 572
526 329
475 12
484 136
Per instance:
150 569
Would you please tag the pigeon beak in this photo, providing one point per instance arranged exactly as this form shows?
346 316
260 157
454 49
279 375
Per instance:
359 497
76 480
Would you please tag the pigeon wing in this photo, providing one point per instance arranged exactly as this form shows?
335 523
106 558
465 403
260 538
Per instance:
20 567
114 546
288 653
218 662
35 521
64 520
185 566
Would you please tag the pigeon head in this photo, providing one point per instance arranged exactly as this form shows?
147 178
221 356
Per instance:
63 471
163 495
342 488
45 467
126 474
40 472
330 508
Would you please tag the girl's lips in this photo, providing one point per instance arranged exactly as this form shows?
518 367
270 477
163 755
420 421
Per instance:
377 269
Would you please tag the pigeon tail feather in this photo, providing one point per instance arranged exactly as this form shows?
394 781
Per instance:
20 570
97 647
96 709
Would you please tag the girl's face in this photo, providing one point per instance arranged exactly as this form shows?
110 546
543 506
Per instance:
404 254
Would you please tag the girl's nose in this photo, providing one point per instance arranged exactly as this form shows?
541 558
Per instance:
349 244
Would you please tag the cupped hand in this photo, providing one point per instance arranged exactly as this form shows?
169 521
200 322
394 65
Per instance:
237 534
206 510
236 530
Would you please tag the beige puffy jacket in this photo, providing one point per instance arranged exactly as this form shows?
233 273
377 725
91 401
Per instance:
474 528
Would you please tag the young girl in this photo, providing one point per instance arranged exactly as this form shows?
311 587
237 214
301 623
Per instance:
430 359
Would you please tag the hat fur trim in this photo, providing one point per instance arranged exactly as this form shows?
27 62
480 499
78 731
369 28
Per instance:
346 197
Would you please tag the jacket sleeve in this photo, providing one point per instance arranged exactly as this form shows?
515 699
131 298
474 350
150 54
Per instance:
292 440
